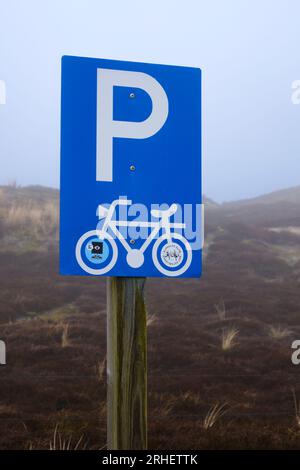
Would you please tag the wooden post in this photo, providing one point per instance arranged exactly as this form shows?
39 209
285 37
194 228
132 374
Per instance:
126 364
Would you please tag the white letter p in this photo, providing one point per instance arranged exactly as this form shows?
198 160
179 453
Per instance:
107 128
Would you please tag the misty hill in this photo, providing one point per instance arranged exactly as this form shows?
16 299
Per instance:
272 204
280 208
29 215
14 194
290 195
210 203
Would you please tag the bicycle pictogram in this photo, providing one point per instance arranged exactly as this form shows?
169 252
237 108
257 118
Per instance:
171 251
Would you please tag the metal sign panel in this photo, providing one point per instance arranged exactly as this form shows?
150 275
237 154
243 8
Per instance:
131 201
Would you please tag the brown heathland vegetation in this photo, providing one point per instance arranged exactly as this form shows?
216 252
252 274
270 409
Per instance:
220 371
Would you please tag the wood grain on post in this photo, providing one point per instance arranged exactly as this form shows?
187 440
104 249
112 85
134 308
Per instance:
126 364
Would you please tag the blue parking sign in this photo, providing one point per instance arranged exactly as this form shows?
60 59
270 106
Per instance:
131 198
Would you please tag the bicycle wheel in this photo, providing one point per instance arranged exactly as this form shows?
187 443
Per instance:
97 238
169 258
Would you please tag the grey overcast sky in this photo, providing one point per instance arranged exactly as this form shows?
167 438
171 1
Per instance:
249 51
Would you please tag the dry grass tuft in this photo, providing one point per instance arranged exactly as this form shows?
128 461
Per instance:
166 403
278 332
59 442
214 414
165 409
16 216
297 408
151 319
221 309
229 336
190 398
40 220
101 368
65 341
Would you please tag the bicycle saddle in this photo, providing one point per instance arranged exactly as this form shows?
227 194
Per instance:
165 212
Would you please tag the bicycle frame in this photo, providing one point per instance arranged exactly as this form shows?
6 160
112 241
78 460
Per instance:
163 223
135 256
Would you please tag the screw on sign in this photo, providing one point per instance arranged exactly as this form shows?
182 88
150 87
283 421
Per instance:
131 204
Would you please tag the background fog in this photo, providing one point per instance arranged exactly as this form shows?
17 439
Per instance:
248 50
